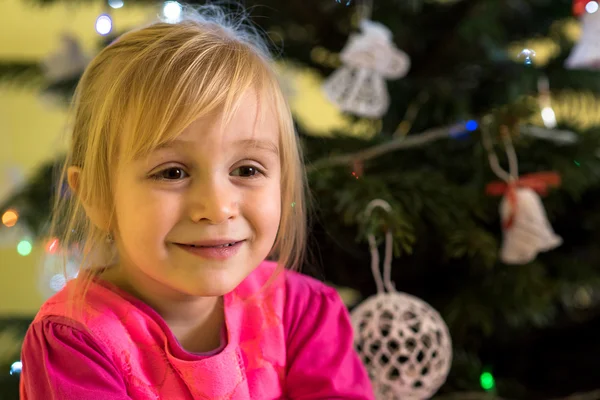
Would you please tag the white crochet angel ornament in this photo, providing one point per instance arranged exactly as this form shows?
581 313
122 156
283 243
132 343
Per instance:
403 342
62 67
525 226
359 87
68 62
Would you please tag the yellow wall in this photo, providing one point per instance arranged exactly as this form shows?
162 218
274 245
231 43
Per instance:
31 128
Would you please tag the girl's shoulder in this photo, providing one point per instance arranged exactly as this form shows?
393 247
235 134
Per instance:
321 360
310 302
297 285
295 296
94 309
83 302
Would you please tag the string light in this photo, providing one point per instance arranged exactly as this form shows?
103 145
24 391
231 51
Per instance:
461 131
549 117
10 218
116 3
52 246
487 381
16 368
527 56
472 125
591 7
172 11
104 24
544 100
24 247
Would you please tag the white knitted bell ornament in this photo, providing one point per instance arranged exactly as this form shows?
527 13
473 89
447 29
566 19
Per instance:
403 342
530 232
525 226
586 53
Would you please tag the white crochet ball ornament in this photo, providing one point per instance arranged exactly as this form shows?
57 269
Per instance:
404 344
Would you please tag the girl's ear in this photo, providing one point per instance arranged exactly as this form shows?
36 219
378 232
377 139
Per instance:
99 217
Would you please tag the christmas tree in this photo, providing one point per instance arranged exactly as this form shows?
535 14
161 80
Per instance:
459 94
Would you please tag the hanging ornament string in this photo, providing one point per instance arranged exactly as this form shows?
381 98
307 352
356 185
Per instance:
513 163
364 10
411 115
385 283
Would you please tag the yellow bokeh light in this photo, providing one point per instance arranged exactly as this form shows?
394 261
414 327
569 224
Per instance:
547 48
580 110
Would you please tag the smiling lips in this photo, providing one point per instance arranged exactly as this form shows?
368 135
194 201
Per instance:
221 249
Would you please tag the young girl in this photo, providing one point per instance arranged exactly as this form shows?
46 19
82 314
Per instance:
186 176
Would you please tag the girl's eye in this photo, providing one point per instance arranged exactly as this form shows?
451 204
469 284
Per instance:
171 174
246 171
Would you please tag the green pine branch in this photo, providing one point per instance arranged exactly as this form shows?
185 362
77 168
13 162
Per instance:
20 73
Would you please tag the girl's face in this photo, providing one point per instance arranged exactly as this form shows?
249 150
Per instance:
197 216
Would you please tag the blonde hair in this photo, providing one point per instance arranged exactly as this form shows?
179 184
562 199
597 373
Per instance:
142 91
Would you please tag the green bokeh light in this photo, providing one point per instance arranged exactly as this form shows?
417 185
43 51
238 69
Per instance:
487 381
24 247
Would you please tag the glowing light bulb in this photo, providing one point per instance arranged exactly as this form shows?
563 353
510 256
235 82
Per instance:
24 247
103 24
116 3
172 11
472 125
16 368
10 218
549 117
592 7
487 381
52 246
527 56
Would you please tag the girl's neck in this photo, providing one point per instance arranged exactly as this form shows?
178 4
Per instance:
196 322
204 334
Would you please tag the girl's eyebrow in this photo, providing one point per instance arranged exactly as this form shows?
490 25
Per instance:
261 144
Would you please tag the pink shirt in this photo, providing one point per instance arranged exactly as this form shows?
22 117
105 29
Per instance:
290 340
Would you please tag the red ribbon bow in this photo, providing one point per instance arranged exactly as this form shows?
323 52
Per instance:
539 182
579 7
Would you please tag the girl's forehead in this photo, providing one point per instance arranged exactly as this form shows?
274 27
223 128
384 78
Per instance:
248 115
243 127
251 121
